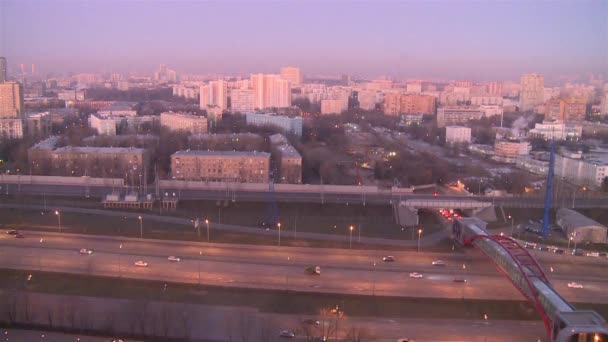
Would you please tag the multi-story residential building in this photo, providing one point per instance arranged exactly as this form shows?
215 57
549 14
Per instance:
463 83
457 115
491 110
270 91
413 88
416 104
11 128
586 170
11 100
193 124
575 109
38 124
287 160
72 95
121 108
557 130
529 164
165 75
457 134
242 100
291 74
604 105
40 155
379 85
186 91
3 75
111 162
367 99
495 88
486 100
531 93
334 106
214 94
221 166
104 125
285 123
507 151
570 109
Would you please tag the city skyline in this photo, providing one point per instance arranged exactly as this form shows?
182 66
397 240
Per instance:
466 40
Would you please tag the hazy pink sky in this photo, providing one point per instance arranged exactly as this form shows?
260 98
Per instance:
451 39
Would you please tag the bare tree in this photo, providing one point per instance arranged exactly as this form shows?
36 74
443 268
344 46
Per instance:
50 316
71 309
327 323
23 301
166 316
10 306
186 321
229 327
141 315
245 325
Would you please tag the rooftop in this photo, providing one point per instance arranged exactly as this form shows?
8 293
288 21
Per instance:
47 144
577 219
288 151
221 153
108 150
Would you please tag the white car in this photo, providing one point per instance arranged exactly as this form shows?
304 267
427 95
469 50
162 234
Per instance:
173 258
86 251
141 263
438 263
416 275
575 285
388 258
287 334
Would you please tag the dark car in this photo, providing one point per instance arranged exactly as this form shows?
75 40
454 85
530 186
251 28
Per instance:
559 251
12 232
577 252
19 236
459 280
311 322
544 249
602 254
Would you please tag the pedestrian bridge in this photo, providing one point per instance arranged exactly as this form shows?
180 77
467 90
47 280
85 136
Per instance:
437 203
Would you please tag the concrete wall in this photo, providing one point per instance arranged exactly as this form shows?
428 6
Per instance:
304 188
50 180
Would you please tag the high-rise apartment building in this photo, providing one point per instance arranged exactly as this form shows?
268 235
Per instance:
570 109
495 88
241 100
291 74
333 106
395 104
270 91
165 75
214 94
11 100
3 76
531 92
367 99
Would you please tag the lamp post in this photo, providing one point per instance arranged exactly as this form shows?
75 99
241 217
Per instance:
207 223
374 280
512 224
200 254
40 258
419 234
141 227
350 241
287 275
570 239
58 219
119 252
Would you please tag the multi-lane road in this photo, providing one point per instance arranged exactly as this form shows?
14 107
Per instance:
302 197
342 271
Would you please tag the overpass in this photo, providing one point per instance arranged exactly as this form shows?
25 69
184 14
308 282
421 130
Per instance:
283 193
563 323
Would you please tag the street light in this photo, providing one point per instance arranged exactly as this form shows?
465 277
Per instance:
570 239
58 219
287 276
350 241
374 280
512 225
141 227
119 253
200 255
279 225
419 233
207 223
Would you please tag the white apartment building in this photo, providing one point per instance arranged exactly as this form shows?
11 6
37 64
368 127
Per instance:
104 125
287 124
486 100
214 94
457 134
557 130
185 91
585 170
241 100
183 121
455 115
367 99
491 110
11 128
414 88
270 91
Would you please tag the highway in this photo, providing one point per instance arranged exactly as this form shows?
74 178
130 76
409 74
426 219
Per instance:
300 197
342 271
